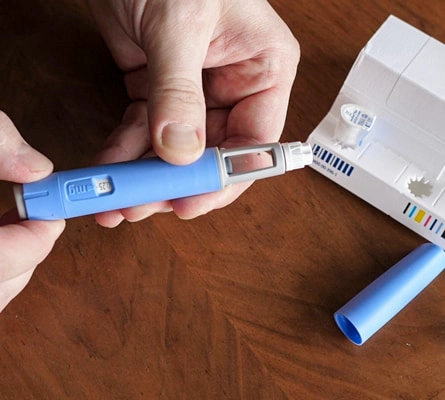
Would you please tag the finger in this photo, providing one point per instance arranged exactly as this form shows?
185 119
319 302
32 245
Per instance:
227 85
257 91
24 245
176 45
192 207
19 162
138 213
130 140
258 118
12 287
111 219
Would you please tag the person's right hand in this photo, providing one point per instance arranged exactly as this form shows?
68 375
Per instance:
200 73
23 244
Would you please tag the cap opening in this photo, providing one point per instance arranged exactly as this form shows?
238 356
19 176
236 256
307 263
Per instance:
348 328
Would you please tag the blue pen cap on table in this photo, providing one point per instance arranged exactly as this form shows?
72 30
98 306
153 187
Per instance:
379 302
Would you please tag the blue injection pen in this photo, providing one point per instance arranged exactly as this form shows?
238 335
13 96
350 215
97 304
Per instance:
85 191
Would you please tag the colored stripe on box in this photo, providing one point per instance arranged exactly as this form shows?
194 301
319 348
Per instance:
419 215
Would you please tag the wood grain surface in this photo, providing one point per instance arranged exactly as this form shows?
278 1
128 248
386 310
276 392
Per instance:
236 304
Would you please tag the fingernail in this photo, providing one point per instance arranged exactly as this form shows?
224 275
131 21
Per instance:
32 159
180 137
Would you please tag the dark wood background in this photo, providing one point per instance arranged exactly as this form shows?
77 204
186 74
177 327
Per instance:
236 304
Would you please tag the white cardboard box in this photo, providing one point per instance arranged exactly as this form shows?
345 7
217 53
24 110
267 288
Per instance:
399 166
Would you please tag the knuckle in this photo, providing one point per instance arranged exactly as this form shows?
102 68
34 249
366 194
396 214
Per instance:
180 90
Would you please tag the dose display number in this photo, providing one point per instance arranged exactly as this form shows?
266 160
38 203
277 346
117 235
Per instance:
103 186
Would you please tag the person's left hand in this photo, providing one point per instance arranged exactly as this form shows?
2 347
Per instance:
23 244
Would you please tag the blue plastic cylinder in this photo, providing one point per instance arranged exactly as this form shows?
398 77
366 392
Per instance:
85 191
379 302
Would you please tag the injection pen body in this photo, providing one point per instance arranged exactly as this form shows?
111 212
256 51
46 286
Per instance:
91 190
84 191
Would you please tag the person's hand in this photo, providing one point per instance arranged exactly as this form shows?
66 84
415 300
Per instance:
23 244
199 73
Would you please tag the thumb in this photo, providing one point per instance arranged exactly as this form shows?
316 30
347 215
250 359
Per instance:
175 53
19 162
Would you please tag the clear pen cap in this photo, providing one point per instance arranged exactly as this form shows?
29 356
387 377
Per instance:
262 161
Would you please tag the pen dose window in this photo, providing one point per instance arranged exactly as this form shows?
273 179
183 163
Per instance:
103 186
247 162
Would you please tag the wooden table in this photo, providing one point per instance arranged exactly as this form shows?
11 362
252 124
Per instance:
237 303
